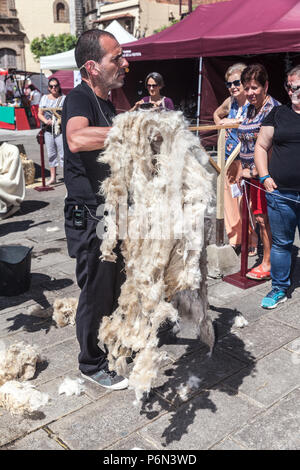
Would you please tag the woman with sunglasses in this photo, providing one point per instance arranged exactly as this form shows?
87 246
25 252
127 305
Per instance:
256 82
51 124
154 83
280 175
232 111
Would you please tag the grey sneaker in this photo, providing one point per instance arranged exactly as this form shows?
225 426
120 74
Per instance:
108 379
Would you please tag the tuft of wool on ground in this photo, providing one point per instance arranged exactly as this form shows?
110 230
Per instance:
71 387
37 310
239 321
157 170
21 398
18 362
64 311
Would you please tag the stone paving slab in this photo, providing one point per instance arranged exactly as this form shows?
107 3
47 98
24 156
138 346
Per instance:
188 376
258 339
274 377
247 305
134 441
184 341
38 440
14 427
228 444
288 313
102 424
275 429
202 422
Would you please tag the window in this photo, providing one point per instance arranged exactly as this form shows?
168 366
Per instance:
8 58
60 12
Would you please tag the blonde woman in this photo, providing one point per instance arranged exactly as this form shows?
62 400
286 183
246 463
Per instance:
232 111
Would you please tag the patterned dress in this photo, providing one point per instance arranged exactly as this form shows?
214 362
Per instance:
248 131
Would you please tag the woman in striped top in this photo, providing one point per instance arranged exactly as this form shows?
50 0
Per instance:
255 81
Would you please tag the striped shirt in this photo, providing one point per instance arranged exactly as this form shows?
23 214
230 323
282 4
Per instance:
248 131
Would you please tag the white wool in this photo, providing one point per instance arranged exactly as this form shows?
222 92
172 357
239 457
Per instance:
64 311
240 322
184 389
52 229
71 387
18 361
37 310
156 164
21 398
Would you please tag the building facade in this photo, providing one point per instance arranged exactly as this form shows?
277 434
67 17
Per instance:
12 39
139 17
22 21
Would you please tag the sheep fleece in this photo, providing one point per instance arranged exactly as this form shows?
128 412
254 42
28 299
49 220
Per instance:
157 171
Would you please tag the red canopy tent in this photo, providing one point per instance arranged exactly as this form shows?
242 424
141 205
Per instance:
231 27
224 29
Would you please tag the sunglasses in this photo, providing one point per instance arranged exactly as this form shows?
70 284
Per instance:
292 88
152 86
234 83
53 86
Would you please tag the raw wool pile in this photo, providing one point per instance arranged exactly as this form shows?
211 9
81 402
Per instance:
21 398
18 362
157 168
71 387
64 311
28 168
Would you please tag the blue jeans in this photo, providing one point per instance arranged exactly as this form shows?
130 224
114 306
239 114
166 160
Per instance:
284 217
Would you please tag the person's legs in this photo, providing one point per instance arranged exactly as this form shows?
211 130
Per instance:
232 216
60 149
52 156
259 207
100 283
284 217
283 221
266 237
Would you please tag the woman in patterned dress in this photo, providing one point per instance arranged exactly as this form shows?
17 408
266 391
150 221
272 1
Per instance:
255 81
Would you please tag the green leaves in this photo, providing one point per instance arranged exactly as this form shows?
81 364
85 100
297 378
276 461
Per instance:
52 44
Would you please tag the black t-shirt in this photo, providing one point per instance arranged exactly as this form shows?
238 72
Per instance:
284 165
82 172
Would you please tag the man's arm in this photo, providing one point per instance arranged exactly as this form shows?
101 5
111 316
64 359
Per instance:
81 137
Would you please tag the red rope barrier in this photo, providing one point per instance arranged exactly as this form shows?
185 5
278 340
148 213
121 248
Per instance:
239 279
43 187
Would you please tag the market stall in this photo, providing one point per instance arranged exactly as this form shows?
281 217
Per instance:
15 111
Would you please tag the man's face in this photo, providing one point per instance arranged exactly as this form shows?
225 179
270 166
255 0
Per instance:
112 66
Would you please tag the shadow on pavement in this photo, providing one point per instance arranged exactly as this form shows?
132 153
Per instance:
191 378
39 284
31 206
18 226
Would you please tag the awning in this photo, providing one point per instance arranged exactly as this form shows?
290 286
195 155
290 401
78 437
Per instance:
115 17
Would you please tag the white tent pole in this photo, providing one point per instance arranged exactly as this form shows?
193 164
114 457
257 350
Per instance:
199 91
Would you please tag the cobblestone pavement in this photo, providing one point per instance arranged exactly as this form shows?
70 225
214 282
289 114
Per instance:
246 396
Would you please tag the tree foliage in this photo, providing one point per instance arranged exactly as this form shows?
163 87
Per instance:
158 30
52 44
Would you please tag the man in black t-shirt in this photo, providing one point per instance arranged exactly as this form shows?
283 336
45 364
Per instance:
86 119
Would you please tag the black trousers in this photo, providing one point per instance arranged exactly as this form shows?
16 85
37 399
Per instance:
100 284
